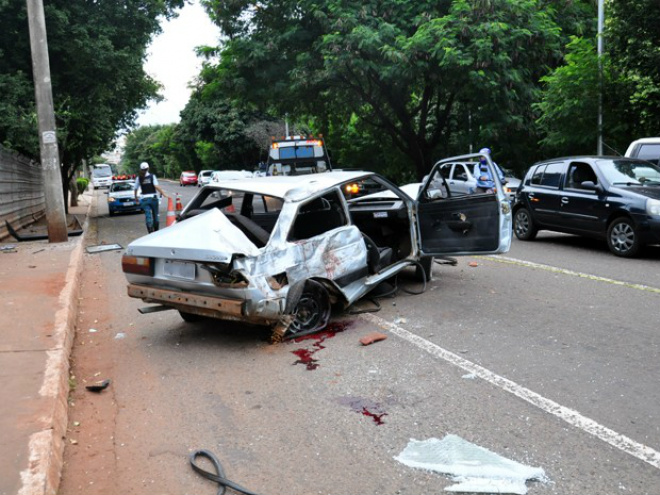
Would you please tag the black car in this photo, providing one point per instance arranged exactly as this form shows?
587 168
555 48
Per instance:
612 198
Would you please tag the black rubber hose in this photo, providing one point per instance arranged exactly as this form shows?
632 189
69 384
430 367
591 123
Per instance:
219 476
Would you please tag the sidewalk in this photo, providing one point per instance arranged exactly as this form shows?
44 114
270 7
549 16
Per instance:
39 292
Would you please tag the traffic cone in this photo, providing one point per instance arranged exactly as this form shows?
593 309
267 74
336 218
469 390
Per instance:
179 206
171 214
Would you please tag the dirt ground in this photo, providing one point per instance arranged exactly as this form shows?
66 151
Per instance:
89 457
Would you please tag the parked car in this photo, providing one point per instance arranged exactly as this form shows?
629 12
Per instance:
121 198
645 149
278 251
204 177
612 198
460 179
188 178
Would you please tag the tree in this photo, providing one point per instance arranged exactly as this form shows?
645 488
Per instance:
630 85
97 51
632 41
412 71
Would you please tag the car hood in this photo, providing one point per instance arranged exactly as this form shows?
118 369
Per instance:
647 191
209 237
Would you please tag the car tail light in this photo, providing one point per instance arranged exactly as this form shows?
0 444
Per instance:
137 265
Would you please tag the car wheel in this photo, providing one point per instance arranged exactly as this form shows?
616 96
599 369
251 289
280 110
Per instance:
523 225
111 213
424 269
622 238
312 310
190 317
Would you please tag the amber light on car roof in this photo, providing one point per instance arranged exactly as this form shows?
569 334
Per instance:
137 265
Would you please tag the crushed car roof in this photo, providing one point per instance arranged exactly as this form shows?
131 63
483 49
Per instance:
291 187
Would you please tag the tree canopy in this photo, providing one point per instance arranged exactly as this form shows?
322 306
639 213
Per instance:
412 72
97 51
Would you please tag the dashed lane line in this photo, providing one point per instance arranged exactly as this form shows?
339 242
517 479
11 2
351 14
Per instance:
570 416
564 271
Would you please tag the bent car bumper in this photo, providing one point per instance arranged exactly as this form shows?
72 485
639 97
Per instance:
261 312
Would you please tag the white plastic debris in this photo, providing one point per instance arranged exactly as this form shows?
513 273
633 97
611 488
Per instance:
120 335
469 376
474 469
93 330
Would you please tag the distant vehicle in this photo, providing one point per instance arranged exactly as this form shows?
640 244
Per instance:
121 198
611 198
460 179
645 149
204 177
297 155
188 178
101 175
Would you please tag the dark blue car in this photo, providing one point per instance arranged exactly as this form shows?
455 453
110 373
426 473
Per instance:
611 198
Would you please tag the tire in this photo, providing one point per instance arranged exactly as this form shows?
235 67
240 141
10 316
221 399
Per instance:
622 238
111 213
190 317
523 225
424 269
312 311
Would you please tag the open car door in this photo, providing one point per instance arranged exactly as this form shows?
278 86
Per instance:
478 223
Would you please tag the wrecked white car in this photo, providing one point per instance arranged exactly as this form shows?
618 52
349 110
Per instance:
281 251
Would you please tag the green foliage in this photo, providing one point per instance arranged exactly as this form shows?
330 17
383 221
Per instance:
569 106
96 52
406 74
81 184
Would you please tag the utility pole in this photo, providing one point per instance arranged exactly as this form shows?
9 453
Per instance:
50 159
601 25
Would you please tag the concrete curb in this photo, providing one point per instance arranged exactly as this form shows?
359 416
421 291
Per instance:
46 447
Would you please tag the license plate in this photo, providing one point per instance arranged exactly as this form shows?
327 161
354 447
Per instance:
129 203
179 269
380 214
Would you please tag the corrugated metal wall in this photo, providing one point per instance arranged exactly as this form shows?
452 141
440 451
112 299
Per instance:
22 198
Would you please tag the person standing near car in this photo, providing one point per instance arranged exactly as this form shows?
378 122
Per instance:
147 183
485 182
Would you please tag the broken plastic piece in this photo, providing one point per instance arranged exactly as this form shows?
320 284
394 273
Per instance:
372 337
99 386
473 264
473 468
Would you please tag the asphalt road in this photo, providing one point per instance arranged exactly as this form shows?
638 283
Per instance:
547 355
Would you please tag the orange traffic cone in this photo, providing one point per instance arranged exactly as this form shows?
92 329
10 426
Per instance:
171 214
179 206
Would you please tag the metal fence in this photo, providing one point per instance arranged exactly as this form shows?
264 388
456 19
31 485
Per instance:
22 198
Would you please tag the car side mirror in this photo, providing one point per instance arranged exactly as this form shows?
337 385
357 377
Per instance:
106 192
589 185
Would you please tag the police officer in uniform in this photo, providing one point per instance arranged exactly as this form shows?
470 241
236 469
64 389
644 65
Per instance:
148 184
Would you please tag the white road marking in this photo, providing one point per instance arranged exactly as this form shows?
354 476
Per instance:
570 416
564 271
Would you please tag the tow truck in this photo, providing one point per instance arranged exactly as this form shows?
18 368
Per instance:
298 155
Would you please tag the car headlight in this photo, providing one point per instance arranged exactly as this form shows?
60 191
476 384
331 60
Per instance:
111 199
653 207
